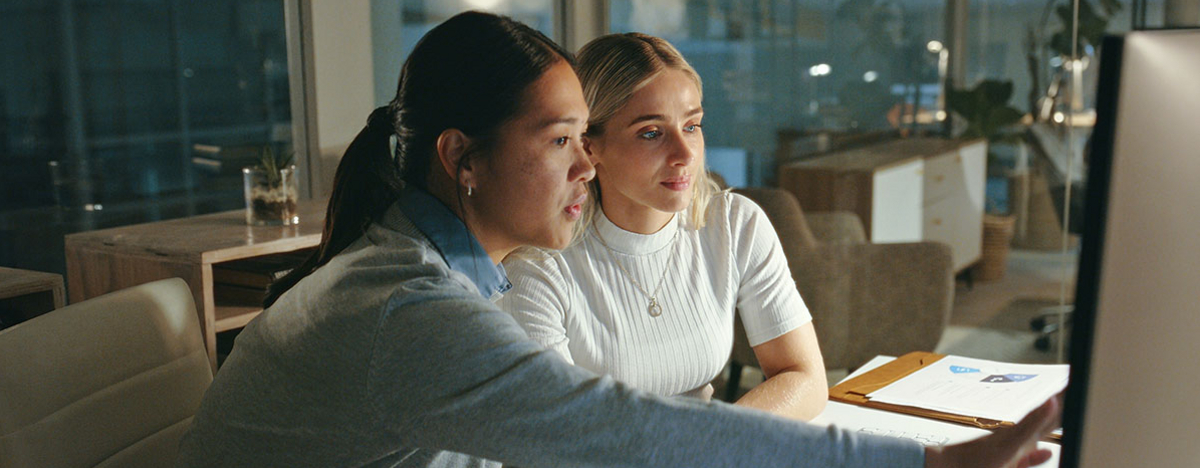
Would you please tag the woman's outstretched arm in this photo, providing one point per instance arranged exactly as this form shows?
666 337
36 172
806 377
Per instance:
796 386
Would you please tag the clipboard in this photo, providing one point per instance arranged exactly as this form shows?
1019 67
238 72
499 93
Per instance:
855 391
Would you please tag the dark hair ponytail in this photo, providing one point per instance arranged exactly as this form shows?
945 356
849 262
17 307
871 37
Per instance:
468 73
366 183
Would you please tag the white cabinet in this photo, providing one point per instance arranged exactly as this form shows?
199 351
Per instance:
953 201
903 190
896 199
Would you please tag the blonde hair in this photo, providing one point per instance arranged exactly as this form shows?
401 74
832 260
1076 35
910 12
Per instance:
611 69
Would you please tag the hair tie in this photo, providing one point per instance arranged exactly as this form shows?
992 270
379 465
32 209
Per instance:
381 120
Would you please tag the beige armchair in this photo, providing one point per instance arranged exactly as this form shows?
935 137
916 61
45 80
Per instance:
866 299
110 381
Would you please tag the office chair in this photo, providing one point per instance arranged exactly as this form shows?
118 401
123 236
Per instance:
866 299
110 381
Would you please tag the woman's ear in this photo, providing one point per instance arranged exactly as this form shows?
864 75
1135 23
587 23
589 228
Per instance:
452 147
591 146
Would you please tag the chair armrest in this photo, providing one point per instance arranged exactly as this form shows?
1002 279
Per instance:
872 299
836 227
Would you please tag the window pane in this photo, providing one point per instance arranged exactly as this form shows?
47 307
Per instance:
397 25
790 82
1036 178
115 113
801 68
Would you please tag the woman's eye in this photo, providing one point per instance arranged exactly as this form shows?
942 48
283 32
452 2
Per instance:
692 128
562 141
650 135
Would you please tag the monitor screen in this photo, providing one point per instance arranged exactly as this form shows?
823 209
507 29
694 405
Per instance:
1134 396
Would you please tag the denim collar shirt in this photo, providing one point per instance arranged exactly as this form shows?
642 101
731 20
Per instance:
450 236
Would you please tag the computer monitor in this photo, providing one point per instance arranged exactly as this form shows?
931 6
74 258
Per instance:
1134 396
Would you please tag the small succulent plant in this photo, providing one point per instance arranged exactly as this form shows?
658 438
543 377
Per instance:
271 162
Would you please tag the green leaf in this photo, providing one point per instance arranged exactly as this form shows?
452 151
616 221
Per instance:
961 102
985 109
999 118
271 163
996 92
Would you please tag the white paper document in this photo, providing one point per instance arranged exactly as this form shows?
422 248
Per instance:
977 387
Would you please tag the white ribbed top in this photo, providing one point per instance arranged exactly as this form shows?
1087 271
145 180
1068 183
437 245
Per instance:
579 303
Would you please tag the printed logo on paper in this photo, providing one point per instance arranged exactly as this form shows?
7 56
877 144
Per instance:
1007 378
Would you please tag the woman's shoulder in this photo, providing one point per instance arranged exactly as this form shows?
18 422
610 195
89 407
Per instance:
530 254
534 261
730 207
387 269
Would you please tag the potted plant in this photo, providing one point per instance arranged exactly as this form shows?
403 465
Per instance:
1092 26
988 115
271 189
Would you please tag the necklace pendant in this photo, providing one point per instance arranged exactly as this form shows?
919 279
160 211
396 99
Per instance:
654 309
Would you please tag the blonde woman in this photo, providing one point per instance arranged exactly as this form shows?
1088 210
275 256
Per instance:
648 290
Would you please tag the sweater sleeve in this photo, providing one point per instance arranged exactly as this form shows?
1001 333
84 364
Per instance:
539 299
452 372
768 302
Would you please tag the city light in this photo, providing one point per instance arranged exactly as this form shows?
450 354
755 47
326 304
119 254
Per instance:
483 4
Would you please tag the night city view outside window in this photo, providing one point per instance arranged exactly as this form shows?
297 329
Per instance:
115 113
795 82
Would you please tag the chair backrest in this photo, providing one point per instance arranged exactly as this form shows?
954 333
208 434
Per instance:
787 218
785 215
110 381
866 299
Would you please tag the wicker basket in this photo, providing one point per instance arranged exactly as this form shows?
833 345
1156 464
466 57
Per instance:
997 235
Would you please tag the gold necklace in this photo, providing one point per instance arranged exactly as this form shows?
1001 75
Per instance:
653 308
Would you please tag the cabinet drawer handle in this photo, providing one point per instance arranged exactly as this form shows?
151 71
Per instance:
937 221
938 178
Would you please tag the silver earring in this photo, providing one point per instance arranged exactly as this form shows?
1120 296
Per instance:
469 190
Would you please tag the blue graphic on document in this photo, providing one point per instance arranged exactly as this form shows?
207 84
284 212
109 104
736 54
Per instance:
1007 378
963 370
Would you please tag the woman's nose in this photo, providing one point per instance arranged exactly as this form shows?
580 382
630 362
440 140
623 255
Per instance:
682 151
583 169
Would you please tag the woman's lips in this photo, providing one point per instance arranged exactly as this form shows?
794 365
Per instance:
575 210
677 184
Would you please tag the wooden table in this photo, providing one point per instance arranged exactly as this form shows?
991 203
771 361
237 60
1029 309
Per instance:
26 294
107 260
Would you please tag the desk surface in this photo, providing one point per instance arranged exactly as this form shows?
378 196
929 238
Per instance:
209 238
99 262
853 417
15 282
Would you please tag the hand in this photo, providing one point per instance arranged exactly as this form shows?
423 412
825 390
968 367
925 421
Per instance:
1011 447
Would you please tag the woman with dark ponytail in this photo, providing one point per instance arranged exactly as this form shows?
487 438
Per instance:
384 349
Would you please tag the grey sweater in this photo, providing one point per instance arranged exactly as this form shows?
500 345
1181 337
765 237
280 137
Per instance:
387 356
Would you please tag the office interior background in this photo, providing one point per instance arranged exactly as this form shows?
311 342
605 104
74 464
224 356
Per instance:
115 113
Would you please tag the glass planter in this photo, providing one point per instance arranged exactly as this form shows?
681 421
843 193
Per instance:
270 196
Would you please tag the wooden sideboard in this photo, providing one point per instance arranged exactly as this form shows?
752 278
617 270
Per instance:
107 260
26 294
903 191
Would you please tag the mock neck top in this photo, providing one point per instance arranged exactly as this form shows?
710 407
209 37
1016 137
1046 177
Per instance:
591 303
633 243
